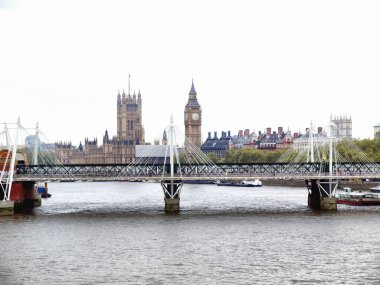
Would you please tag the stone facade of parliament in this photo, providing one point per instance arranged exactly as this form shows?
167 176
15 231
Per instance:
121 149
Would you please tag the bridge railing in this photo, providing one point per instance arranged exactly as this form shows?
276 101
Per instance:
119 172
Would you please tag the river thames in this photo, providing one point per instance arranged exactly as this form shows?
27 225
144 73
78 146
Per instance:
118 233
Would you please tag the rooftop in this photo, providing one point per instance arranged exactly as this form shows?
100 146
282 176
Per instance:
151 151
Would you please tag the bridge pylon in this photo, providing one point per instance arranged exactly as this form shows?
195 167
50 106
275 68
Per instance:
322 192
172 185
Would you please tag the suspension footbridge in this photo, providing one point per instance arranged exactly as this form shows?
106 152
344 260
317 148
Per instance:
316 161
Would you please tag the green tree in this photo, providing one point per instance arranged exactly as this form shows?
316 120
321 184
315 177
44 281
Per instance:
213 157
251 155
274 155
367 147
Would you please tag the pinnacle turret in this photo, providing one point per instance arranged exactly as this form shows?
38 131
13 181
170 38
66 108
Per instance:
118 98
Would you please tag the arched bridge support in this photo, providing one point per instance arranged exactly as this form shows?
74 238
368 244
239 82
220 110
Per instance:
172 189
319 196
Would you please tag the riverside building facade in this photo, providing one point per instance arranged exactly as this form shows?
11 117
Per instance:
342 126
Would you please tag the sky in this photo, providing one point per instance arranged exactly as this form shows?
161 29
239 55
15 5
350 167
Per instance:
255 64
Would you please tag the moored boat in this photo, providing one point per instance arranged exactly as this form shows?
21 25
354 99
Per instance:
42 189
375 189
244 183
359 198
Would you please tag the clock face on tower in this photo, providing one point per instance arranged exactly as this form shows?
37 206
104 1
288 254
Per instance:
195 116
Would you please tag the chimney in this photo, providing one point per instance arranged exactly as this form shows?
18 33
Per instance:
240 133
280 130
296 135
209 136
319 130
269 131
246 133
215 135
229 133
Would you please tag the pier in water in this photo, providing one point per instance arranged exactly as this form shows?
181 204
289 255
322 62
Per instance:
118 233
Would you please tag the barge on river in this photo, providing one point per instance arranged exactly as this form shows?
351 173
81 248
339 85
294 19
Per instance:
359 198
244 183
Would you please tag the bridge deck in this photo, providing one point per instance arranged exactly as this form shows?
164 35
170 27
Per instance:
194 178
262 171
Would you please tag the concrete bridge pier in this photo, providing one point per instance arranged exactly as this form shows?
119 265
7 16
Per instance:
172 190
172 205
6 208
37 200
319 200
328 204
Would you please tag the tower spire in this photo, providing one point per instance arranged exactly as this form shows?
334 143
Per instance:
129 84
192 90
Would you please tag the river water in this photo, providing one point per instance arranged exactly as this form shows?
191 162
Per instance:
118 233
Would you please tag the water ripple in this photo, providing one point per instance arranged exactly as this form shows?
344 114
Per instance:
118 233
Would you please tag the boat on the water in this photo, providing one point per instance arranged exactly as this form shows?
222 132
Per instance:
244 183
375 189
42 189
359 198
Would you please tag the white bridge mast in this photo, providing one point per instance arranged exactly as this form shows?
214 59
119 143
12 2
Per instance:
172 186
311 144
13 161
36 146
171 145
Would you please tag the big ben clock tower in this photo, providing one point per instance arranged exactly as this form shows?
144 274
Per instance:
193 118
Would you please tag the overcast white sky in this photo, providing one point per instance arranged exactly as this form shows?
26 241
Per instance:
255 64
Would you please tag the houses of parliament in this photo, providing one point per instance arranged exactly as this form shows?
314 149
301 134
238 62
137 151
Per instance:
121 149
